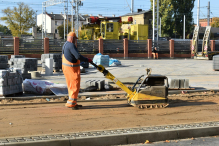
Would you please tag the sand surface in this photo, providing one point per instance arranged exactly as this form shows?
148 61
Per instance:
38 119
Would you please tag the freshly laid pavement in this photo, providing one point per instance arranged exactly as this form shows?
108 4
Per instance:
199 72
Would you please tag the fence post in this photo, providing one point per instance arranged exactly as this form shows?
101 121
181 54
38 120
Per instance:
171 48
16 45
46 45
149 48
212 45
101 45
125 45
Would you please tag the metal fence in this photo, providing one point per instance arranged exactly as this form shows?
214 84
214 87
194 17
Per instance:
162 47
88 46
216 45
6 46
31 46
137 46
113 46
182 47
55 45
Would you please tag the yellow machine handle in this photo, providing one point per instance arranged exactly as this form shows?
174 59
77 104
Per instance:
108 75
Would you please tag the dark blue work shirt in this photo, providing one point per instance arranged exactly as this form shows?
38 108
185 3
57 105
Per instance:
71 53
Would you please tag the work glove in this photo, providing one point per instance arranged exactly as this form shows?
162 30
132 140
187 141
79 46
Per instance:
89 60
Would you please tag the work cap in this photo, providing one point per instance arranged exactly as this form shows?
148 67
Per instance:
72 34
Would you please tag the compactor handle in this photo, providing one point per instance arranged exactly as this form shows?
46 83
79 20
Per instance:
93 64
104 71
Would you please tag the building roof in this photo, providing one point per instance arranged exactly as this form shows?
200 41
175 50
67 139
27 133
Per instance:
60 17
137 13
56 16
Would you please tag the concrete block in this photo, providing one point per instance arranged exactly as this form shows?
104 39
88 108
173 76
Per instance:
3 66
186 83
181 83
26 76
17 56
171 83
101 84
87 83
176 83
48 66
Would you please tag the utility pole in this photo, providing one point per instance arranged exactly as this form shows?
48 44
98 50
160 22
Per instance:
66 9
64 19
184 28
160 27
156 28
157 20
153 18
76 13
72 16
209 13
132 7
42 20
198 12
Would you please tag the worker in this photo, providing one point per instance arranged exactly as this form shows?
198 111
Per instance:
71 69
155 53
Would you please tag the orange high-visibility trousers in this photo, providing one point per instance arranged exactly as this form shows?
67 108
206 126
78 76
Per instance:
72 76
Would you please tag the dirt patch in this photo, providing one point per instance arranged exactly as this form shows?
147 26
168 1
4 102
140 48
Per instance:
39 119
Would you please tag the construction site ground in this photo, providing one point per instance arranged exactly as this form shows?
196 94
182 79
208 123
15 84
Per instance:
42 116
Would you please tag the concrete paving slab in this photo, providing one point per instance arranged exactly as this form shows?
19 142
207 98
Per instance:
199 72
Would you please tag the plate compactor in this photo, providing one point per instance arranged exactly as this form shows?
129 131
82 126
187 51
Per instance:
152 91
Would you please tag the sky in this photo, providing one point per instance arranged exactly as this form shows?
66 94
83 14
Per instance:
107 7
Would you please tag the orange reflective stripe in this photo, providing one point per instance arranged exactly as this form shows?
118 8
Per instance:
72 103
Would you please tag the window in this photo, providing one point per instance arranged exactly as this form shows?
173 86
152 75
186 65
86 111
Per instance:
69 19
56 31
62 22
109 27
55 22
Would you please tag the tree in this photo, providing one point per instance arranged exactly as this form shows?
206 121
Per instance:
19 19
5 30
215 22
172 16
61 29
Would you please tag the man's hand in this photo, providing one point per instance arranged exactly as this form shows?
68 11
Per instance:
89 60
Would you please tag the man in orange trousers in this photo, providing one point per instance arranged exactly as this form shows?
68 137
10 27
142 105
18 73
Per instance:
71 69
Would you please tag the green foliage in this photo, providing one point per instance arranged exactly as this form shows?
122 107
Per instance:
215 22
172 16
19 19
5 29
61 29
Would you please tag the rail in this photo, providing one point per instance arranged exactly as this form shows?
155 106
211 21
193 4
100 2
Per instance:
137 46
31 46
162 46
6 46
55 45
113 46
182 47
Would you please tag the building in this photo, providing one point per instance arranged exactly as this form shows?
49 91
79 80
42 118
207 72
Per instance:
55 20
204 22
139 17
